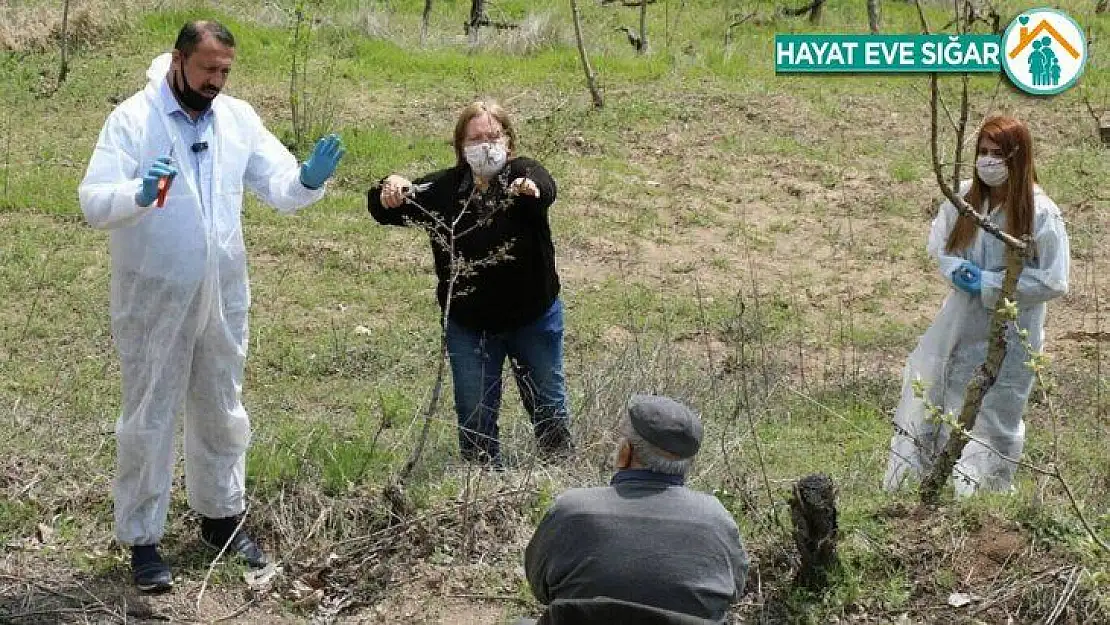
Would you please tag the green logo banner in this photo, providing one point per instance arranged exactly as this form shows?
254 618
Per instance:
813 53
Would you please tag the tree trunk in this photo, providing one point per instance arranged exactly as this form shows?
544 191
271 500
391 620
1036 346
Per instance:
813 511
981 382
643 27
1016 251
815 12
64 69
591 78
961 130
424 19
477 18
873 15
295 92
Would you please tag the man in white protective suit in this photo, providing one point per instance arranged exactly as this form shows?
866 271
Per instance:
179 288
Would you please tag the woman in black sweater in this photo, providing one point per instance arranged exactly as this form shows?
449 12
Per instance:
486 218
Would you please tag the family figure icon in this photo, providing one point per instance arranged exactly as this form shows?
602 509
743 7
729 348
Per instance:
1044 67
1044 64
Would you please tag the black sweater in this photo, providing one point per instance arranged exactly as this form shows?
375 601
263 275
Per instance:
508 277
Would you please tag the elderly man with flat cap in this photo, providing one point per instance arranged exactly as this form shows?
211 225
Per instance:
645 545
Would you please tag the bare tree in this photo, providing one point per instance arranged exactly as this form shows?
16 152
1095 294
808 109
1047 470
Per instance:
441 369
873 15
591 78
815 11
477 19
813 8
424 19
297 105
961 125
643 27
64 69
447 233
311 110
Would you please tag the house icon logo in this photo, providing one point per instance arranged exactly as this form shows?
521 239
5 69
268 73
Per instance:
1044 51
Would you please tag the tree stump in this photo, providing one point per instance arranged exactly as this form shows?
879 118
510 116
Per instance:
813 512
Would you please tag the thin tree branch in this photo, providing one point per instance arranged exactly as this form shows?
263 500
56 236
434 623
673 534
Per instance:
424 19
960 131
63 71
1039 372
1054 473
643 28
591 78
441 367
762 463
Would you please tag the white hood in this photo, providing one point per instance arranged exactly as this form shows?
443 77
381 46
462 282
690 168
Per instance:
159 67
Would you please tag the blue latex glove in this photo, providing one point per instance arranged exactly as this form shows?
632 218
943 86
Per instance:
968 278
323 161
160 168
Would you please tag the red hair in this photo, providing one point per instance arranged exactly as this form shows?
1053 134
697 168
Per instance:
1013 137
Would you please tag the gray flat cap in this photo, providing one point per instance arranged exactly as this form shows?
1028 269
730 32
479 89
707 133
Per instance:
666 424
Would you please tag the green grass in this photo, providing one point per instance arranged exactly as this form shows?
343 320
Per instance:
905 171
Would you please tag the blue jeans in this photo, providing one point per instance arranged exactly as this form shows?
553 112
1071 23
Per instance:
535 352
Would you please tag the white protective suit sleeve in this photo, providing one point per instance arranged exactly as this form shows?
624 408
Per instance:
943 223
938 239
109 202
1047 277
274 174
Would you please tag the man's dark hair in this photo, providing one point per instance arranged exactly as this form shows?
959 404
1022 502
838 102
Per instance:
193 32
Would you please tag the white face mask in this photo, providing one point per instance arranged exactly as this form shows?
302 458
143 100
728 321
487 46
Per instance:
486 159
992 170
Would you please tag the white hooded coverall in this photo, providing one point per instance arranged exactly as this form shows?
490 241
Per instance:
179 298
949 352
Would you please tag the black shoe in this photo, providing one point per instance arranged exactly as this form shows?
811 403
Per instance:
215 533
148 570
556 444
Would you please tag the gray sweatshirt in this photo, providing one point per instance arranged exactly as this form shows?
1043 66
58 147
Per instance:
645 539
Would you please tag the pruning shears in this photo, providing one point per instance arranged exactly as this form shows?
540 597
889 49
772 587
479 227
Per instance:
413 189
